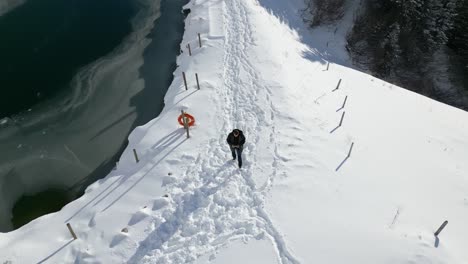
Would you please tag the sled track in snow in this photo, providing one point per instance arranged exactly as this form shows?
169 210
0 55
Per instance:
214 202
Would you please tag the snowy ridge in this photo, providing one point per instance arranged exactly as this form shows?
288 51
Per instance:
297 199
218 202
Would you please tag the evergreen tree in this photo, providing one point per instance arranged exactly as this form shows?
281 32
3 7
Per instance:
321 12
404 32
400 41
459 35
427 21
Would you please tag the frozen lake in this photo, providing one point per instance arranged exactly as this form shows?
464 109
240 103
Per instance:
87 101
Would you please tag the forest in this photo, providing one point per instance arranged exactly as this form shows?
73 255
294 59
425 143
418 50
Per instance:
421 45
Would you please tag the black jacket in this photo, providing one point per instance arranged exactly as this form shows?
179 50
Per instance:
232 140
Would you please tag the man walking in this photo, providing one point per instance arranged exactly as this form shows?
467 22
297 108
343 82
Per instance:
236 142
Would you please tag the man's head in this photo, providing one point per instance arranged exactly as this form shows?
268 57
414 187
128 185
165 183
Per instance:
235 132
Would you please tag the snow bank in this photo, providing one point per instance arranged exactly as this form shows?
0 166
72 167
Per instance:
298 198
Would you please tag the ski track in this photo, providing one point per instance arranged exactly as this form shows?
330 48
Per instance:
214 202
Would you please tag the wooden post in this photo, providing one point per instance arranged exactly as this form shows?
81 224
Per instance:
199 40
328 65
71 231
189 50
441 228
342 116
136 155
185 80
198 84
186 126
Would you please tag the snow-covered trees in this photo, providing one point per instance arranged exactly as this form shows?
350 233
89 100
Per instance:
406 29
458 38
428 21
397 39
319 12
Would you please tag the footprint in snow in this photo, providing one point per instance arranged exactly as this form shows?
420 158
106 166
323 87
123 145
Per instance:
138 217
159 203
92 222
117 239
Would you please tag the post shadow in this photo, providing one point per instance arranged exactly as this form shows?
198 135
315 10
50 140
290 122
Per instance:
55 252
341 164
331 132
339 125
337 86
80 186
141 177
436 234
125 178
90 201
347 157
168 140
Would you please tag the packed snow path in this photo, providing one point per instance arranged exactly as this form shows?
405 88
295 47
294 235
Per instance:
218 202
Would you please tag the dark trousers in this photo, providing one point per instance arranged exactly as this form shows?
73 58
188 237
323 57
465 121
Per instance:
239 154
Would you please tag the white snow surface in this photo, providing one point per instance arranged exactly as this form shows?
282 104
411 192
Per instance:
294 201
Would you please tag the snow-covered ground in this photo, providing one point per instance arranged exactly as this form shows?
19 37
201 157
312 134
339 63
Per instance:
298 198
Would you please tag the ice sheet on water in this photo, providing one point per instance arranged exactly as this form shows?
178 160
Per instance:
8 5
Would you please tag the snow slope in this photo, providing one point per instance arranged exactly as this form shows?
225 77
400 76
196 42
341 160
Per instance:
297 199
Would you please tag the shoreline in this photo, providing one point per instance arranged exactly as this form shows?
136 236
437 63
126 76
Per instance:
107 71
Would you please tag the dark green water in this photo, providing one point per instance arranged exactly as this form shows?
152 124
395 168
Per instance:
44 42
30 207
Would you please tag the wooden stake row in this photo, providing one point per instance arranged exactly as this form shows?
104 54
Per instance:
185 81
199 45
